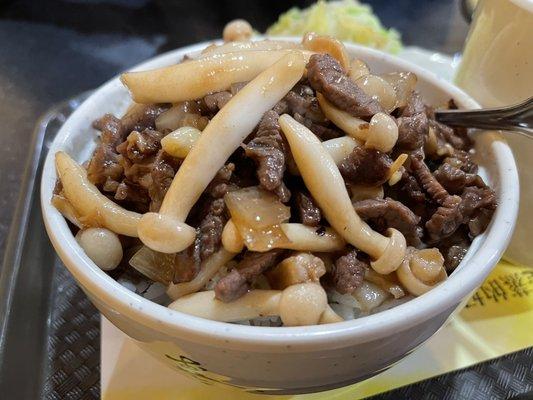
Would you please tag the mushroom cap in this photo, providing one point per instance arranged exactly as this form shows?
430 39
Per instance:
302 304
165 233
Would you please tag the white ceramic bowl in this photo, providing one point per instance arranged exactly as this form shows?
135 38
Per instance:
292 359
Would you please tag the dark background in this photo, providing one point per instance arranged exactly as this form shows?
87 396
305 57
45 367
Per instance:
54 49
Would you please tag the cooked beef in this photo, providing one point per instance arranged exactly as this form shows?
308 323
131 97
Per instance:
267 149
140 145
445 221
210 229
450 136
454 248
308 211
133 194
187 263
142 117
366 166
412 131
326 76
454 180
238 281
463 160
104 164
448 217
321 131
415 105
428 182
389 213
348 273
162 173
477 206
216 101
220 185
301 100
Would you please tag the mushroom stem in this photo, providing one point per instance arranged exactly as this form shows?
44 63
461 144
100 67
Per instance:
324 181
90 205
194 79
300 304
299 237
166 232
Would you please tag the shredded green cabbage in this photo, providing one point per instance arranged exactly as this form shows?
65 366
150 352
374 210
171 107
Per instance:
347 20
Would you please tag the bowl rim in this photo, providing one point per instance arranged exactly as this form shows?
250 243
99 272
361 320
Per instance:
176 324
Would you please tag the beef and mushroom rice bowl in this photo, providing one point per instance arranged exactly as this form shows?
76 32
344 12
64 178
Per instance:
276 183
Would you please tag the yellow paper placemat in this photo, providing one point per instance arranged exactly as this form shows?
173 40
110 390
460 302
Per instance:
496 321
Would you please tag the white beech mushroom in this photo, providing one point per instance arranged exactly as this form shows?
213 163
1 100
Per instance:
421 270
166 231
102 246
325 183
180 142
91 206
297 305
383 133
299 237
340 148
196 78
238 29
260 45
380 134
208 269
327 44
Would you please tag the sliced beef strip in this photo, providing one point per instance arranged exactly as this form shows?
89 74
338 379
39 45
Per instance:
389 213
162 173
104 165
210 215
454 248
477 207
326 76
308 211
454 180
463 160
142 117
210 229
366 166
268 149
221 183
415 105
238 281
321 131
448 217
139 145
215 101
444 132
348 272
133 194
412 130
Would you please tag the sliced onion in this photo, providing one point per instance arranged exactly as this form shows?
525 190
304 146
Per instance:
357 69
370 296
379 90
256 208
403 83
156 266
186 113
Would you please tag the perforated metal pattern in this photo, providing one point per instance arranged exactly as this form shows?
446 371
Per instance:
73 343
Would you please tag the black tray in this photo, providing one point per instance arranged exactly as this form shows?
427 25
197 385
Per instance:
50 332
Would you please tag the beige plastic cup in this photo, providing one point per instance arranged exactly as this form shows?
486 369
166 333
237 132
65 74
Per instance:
497 70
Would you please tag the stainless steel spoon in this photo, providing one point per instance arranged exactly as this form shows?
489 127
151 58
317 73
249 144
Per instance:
517 118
